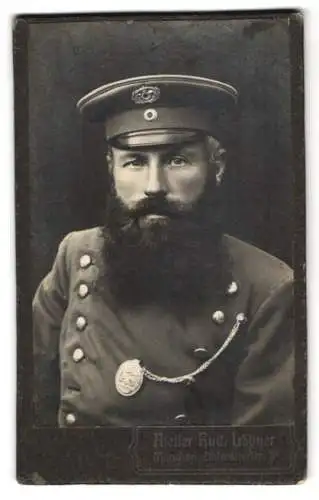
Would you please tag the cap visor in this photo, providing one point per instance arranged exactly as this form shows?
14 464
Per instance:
155 138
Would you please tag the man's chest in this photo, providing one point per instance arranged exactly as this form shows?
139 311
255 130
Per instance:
96 339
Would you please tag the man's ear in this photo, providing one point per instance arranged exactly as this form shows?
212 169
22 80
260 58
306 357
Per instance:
217 158
220 162
109 159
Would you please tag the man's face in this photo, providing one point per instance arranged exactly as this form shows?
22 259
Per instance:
175 173
162 221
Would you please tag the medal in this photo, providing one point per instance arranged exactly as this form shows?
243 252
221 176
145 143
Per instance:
129 377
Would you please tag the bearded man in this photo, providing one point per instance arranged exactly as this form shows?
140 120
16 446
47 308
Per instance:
158 318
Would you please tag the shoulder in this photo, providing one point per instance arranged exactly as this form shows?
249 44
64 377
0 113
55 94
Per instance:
78 243
261 272
84 239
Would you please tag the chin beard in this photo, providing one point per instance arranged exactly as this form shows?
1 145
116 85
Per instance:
173 257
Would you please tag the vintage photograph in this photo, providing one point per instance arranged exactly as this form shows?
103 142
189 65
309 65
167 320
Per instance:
160 214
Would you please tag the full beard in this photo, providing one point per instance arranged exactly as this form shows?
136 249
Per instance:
175 259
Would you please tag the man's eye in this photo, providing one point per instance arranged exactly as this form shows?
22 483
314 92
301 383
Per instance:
178 161
134 163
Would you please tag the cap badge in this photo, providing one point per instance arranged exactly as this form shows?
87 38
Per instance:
145 94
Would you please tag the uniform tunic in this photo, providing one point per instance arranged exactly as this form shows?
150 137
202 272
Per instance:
81 337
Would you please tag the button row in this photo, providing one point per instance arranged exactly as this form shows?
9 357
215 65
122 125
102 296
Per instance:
181 418
83 290
78 353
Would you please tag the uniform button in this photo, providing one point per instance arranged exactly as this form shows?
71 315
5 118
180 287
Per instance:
201 353
70 418
81 322
83 290
85 261
232 288
218 317
78 354
181 418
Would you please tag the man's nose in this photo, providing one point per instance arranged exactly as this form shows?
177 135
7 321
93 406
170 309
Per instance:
156 183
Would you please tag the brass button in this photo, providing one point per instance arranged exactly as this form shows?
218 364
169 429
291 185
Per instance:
181 418
85 261
70 418
201 353
78 354
81 323
232 288
83 290
218 317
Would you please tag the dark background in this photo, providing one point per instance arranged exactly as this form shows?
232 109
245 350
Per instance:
66 163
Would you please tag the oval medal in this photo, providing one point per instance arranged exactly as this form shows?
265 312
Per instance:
129 377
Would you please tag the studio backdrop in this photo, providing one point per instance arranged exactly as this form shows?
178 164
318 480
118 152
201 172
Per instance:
68 174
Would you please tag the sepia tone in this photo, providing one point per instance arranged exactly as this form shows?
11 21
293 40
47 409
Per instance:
174 322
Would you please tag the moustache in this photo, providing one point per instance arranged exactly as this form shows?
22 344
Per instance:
160 206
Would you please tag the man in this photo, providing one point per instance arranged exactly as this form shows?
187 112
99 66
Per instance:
159 317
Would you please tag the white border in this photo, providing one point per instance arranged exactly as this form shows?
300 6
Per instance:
7 258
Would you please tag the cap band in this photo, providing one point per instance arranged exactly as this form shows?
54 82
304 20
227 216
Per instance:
143 119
